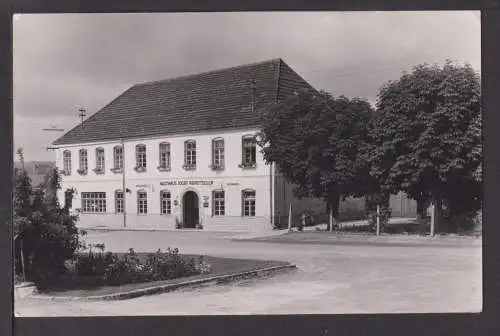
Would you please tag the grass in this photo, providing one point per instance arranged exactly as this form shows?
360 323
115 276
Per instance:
220 266
336 238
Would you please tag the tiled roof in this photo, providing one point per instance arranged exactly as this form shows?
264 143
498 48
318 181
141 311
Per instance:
209 101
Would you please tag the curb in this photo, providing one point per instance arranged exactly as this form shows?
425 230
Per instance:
375 241
104 229
169 287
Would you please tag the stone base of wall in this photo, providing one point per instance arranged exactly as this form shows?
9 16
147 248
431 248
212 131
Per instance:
167 222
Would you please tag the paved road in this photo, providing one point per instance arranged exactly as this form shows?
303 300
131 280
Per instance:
330 280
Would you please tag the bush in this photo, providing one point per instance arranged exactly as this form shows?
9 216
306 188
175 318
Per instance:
46 231
178 224
465 222
98 269
352 214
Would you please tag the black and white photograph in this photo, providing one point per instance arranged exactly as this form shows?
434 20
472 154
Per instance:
241 163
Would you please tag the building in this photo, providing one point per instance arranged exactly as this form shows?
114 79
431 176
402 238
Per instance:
37 170
182 153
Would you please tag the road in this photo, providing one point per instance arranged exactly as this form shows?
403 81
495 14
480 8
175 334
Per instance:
330 279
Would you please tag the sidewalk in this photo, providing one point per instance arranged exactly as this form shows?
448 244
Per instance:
315 228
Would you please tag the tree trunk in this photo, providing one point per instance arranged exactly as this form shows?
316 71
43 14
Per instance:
422 214
438 213
333 202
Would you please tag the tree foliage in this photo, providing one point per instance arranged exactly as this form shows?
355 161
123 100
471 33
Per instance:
47 233
427 137
315 139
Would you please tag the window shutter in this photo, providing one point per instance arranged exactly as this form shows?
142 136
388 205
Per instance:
242 203
213 154
213 203
185 153
242 150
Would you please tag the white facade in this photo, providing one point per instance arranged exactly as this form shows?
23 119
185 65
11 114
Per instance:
273 194
203 180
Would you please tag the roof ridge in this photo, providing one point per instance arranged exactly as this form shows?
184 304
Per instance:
273 60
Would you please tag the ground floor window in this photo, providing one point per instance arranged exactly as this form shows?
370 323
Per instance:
142 202
219 206
93 202
119 201
165 203
248 203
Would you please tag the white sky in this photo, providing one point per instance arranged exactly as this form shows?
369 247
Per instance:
68 61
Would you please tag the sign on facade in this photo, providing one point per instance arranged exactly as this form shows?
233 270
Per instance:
186 182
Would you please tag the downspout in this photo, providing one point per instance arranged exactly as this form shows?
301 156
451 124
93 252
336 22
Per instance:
271 168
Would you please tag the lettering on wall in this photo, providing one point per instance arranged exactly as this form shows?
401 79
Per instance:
186 182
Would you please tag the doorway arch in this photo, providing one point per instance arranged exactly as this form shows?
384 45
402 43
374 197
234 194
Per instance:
190 209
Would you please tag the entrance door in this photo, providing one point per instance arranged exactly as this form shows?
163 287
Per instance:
190 211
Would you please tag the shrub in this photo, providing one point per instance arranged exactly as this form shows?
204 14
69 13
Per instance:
46 231
352 214
178 224
465 222
157 266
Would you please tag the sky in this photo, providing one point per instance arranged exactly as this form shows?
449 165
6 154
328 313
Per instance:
64 62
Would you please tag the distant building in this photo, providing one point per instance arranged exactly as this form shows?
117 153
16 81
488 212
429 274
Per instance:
37 170
186 151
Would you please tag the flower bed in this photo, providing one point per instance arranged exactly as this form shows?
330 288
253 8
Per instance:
96 269
218 267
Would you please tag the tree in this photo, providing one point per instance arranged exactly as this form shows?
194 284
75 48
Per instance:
48 233
22 209
427 137
315 140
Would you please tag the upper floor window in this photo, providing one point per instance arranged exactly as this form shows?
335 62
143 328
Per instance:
218 154
164 149
248 203
219 206
93 202
142 202
190 154
66 162
84 164
140 157
249 152
119 201
117 158
99 161
165 203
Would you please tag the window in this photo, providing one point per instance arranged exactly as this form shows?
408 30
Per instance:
164 156
249 152
218 153
165 203
248 203
219 205
117 158
190 154
119 201
93 202
142 202
99 160
84 165
66 162
140 158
